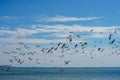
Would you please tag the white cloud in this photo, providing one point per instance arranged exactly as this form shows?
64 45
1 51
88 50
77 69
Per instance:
31 41
35 41
77 28
9 18
60 30
18 32
97 35
66 19
24 32
63 30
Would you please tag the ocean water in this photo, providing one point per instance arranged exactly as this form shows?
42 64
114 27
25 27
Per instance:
32 73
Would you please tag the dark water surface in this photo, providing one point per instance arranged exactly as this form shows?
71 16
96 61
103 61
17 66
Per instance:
47 73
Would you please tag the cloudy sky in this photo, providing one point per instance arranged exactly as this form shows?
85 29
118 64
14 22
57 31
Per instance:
48 22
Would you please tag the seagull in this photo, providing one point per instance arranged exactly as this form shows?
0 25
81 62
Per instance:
21 43
102 50
7 69
78 36
110 36
61 56
30 59
37 46
76 45
37 59
61 70
18 61
51 60
115 31
37 62
18 48
101 32
59 44
43 50
66 62
6 52
99 49
112 41
21 62
55 48
85 43
91 30
63 45
70 40
72 32
11 60
69 37
48 51
91 57
52 48
26 47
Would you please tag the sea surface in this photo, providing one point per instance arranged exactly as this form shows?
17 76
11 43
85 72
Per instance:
47 73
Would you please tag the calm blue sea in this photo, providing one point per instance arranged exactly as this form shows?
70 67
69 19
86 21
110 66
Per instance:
32 73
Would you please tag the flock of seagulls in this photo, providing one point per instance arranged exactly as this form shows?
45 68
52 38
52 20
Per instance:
70 47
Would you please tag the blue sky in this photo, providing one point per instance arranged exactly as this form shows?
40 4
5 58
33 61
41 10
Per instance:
28 9
44 21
